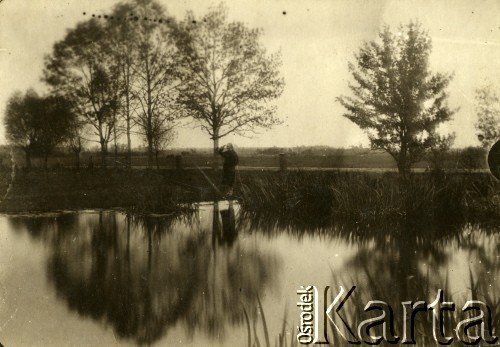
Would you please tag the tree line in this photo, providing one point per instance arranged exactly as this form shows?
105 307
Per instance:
139 71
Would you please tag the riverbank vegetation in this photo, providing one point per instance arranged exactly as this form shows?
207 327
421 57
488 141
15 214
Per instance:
300 195
370 196
140 191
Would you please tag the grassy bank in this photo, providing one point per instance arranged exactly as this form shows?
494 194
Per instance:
364 197
299 195
138 190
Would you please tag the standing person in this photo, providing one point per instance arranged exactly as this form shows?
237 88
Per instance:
229 168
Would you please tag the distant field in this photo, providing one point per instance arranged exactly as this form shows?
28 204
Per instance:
364 160
330 161
296 157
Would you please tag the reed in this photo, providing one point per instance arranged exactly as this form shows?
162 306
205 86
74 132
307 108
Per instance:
282 339
364 196
354 309
168 200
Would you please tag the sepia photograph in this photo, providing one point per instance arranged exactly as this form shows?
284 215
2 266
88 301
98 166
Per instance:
249 173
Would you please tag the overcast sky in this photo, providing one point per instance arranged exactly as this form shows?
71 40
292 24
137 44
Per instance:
317 39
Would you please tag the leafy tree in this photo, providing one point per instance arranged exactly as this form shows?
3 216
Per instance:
21 122
228 79
396 99
37 124
82 69
472 158
488 113
56 120
438 151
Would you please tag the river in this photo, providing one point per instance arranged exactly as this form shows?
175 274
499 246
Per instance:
215 277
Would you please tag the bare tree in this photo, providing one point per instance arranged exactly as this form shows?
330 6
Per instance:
155 82
122 42
228 80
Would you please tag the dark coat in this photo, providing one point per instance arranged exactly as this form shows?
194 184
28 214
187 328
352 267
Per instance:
230 161
230 157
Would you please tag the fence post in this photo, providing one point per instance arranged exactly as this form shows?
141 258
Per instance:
283 163
178 162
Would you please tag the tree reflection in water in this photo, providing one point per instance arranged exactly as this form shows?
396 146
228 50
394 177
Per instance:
406 259
412 262
142 276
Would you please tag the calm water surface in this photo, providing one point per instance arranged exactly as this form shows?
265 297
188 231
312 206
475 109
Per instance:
102 279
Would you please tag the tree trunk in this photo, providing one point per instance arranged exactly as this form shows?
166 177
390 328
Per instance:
403 171
45 158
104 151
215 163
150 152
77 160
403 165
116 148
157 162
28 158
149 121
128 163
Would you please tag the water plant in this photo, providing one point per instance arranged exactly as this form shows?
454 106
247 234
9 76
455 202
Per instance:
364 196
280 340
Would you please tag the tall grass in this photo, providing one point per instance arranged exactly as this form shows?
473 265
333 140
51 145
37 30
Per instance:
161 199
364 196
353 313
